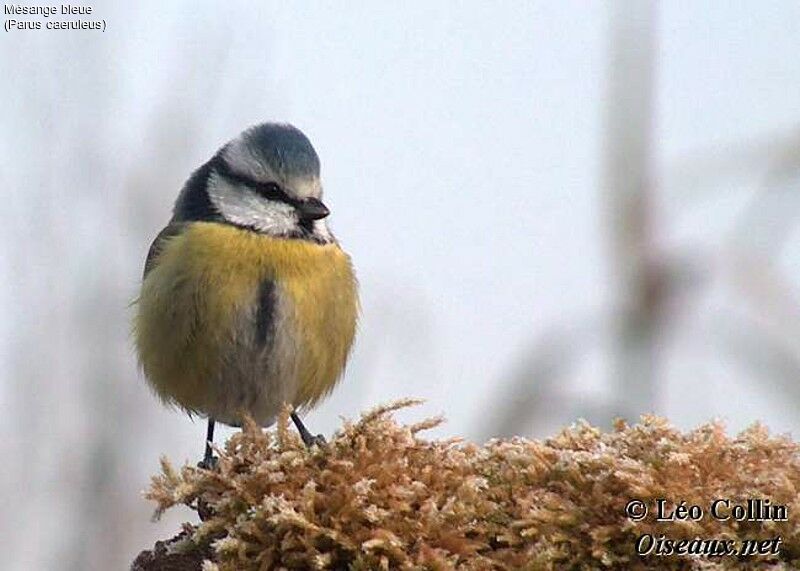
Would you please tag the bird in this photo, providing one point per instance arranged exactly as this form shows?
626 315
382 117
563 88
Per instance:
247 300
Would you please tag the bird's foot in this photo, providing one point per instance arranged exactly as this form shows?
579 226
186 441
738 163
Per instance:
208 463
308 439
317 440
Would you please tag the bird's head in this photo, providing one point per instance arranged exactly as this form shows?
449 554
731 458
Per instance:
267 179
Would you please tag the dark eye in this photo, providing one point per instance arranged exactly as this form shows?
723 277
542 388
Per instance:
270 190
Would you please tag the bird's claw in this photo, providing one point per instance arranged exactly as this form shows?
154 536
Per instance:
317 440
209 463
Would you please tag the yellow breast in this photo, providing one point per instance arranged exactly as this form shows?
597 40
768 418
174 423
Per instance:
201 296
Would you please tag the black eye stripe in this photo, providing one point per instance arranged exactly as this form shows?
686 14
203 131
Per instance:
269 190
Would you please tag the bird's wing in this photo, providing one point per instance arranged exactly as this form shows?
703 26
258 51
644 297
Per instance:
169 231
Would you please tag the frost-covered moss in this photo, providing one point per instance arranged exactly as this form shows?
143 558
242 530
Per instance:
379 496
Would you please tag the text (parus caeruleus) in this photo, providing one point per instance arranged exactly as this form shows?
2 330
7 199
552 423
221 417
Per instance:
247 301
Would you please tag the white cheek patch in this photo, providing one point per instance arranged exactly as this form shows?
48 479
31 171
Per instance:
243 207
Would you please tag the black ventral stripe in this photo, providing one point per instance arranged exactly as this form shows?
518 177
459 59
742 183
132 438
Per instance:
265 314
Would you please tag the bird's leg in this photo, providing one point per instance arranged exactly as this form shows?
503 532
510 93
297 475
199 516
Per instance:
209 462
308 438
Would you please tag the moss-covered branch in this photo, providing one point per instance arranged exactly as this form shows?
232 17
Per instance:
379 496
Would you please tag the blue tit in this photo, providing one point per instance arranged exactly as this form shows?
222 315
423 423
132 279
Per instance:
247 300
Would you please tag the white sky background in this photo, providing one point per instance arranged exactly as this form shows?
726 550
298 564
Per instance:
462 160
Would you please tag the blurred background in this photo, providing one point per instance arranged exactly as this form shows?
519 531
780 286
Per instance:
556 210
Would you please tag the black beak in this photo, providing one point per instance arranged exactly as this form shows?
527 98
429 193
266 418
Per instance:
312 209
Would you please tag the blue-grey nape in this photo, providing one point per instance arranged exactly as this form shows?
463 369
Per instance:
193 202
285 148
